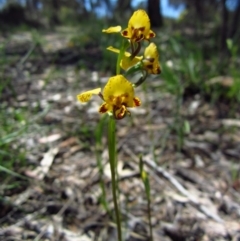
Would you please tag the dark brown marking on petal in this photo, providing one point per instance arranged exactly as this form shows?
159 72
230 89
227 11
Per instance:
137 102
158 71
119 113
139 38
137 35
151 35
102 109
149 66
150 59
125 32
111 99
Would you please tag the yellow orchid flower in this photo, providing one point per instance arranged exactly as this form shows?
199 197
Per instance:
138 27
151 59
118 95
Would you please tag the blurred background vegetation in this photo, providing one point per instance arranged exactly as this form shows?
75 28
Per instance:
199 53
201 42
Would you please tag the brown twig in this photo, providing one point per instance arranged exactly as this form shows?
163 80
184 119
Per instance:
181 189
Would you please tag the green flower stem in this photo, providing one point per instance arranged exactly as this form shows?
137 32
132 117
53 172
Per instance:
113 164
145 180
147 190
98 136
149 217
112 150
124 46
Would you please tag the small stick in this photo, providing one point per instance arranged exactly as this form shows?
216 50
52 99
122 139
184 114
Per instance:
181 189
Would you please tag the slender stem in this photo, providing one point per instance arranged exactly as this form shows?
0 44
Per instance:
149 218
124 46
147 190
145 180
112 159
98 136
